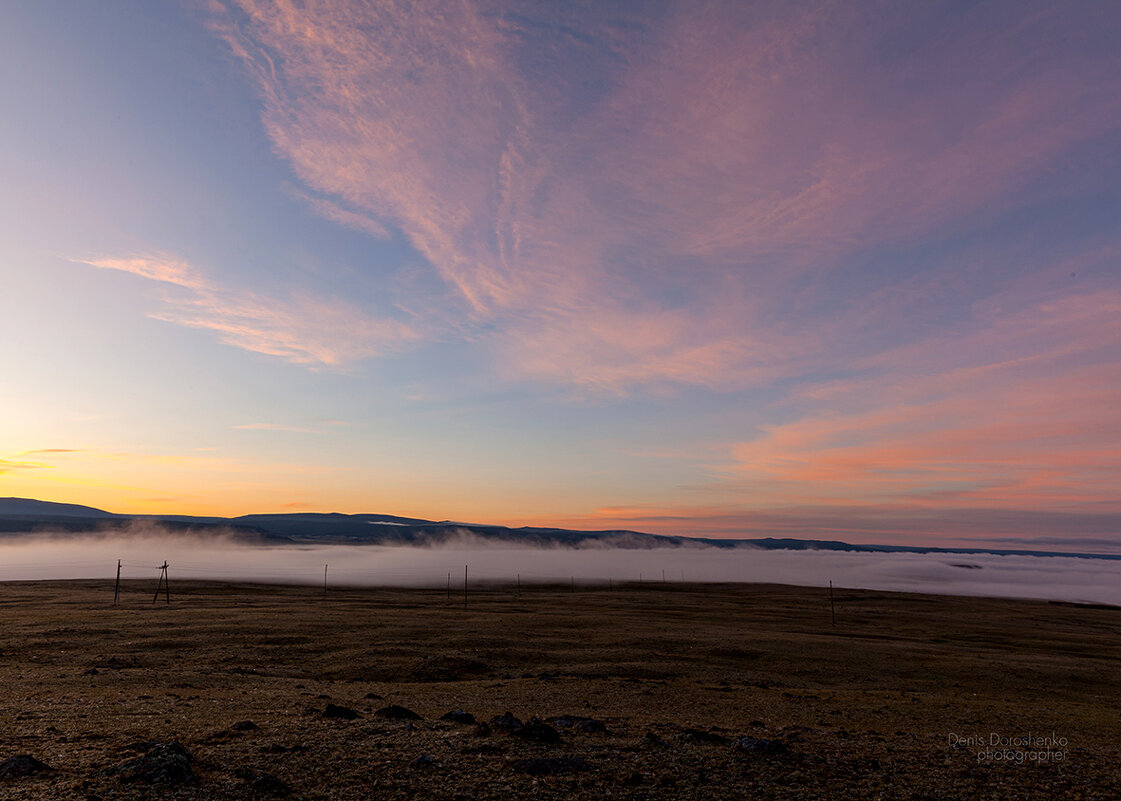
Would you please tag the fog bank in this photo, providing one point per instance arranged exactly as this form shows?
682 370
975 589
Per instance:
1051 578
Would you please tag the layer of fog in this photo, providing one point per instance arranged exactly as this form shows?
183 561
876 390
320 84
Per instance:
1052 578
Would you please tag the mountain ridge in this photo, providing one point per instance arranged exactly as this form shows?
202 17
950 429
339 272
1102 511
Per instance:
26 516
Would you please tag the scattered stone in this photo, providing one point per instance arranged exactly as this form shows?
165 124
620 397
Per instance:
323 697
549 766
459 716
372 697
704 737
482 730
263 784
91 672
756 745
162 763
245 725
424 761
22 765
339 712
506 722
396 712
650 738
757 724
536 729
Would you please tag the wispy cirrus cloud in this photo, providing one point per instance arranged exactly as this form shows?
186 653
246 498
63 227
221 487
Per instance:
277 427
301 327
627 198
12 465
42 459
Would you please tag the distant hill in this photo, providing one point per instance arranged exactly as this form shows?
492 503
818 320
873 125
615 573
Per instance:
22 516
28 507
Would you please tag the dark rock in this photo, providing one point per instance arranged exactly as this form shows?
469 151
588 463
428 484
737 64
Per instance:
536 729
339 712
549 766
565 721
506 722
395 712
590 726
91 672
482 730
459 716
703 737
263 784
372 697
245 725
756 745
652 739
22 765
163 763
632 779
579 723
424 761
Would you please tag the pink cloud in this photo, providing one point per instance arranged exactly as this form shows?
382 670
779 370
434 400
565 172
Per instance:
300 328
1020 411
724 153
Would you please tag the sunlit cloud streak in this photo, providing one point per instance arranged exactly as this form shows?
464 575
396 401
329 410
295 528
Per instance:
277 427
1021 411
301 328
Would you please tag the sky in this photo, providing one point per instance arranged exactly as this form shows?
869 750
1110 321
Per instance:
846 270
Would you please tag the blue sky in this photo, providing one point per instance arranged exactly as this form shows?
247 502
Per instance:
734 269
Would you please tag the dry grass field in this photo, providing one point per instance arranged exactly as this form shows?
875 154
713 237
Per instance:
645 692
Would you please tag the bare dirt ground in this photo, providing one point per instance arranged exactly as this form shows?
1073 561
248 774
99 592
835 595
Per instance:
646 692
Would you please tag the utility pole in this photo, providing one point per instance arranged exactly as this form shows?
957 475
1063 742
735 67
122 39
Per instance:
832 608
117 586
163 582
